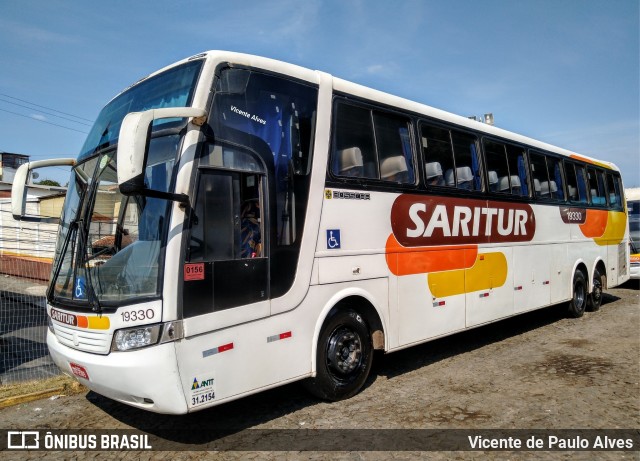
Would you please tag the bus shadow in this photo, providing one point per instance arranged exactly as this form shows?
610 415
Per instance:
631 284
437 350
209 427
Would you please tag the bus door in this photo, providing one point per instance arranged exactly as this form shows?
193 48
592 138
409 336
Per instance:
226 263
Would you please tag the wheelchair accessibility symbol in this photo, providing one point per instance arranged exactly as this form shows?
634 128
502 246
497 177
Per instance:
80 290
333 239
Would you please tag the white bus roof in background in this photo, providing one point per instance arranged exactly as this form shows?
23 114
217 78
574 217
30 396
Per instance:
632 194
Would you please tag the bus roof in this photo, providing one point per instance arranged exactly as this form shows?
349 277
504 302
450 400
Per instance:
367 93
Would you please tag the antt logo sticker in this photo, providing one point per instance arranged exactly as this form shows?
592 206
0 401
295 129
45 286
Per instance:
202 391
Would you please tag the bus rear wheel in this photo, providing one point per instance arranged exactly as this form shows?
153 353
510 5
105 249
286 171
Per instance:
578 302
343 357
595 297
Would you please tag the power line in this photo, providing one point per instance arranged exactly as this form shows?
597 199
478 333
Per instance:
43 121
45 107
45 112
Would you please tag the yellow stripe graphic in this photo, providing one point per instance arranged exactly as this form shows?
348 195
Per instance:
98 323
489 271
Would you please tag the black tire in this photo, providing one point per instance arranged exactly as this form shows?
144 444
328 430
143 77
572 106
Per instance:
595 297
578 302
344 357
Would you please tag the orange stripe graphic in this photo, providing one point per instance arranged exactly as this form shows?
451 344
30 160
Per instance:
604 227
421 260
588 160
595 224
83 322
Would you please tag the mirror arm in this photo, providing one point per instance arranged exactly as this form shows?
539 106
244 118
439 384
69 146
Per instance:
182 199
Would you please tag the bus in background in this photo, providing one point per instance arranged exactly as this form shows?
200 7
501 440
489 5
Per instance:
235 223
633 206
634 261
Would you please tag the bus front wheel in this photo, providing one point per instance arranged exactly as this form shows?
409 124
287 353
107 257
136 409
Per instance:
343 357
578 302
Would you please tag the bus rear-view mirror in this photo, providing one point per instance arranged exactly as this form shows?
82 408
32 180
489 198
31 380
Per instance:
133 144
38 195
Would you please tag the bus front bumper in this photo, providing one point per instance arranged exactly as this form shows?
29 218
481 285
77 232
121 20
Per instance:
147 378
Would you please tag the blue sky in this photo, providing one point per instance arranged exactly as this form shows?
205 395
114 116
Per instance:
566 72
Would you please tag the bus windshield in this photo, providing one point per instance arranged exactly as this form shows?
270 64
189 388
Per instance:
109 245
172 88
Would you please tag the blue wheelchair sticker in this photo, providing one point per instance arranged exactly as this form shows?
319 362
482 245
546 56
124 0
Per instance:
333 239
80 290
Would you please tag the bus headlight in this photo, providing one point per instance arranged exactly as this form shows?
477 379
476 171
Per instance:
135 338
142 336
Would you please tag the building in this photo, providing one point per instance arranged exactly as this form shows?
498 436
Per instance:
9 163
26 248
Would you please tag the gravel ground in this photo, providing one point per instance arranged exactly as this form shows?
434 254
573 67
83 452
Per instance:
540 370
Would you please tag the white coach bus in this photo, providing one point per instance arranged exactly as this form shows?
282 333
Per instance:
270 223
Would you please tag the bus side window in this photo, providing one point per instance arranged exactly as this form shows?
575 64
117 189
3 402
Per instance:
601 187
394 148
613 189
505 168
438 154
572 183
517 169
556 181
371 144
581 174
455 153
467 170
596 187
540 176
354 153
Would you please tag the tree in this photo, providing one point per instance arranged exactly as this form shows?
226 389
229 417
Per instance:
48 182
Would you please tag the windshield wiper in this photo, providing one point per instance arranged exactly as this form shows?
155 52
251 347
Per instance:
99 253
83 259
63 250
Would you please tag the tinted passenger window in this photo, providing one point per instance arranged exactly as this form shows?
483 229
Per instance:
547 177
506 171
613 189
354 153
556 181
596 187
371 144
576 183
394 148
451 158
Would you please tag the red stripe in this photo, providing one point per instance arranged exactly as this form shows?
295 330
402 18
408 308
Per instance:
285 335
226 347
